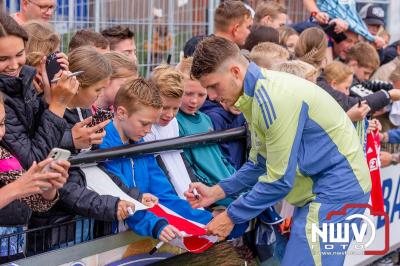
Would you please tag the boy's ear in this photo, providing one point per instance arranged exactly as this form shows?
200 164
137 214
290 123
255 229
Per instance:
121 113
266 20
353 64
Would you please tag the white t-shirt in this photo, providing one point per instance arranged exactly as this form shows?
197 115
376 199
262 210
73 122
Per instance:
172 159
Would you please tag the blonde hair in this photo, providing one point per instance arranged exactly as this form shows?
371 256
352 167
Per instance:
365 55
95 66
395 75
122 66
268 8
266 53
168 80
136 92
284 34
43 40
185 66
311 47
337 71
298 68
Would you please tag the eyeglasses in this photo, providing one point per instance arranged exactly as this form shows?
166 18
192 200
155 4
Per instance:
44 8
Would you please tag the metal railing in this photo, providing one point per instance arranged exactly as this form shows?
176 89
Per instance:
80 230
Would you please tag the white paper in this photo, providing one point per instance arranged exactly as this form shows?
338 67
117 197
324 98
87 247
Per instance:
98 181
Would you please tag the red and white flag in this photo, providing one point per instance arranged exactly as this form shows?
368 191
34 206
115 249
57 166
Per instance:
195 238
373 149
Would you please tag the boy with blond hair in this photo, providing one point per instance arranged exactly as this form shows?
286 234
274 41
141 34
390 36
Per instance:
267 53
298 68
138 105
208 163
169 82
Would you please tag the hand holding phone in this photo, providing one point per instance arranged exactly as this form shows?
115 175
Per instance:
100 116
57 155
52 66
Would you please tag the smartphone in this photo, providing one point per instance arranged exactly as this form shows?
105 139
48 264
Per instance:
57 154
52 66
101 115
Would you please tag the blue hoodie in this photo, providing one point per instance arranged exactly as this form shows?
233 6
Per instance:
148 178
394 136
234 151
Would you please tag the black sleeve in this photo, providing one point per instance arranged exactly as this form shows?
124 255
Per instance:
15 213
32 146
377 100
82 201
134 192
67 141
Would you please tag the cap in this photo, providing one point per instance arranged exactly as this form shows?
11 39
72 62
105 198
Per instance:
372 14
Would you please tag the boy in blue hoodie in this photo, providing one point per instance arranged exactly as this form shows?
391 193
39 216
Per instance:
227 117
137 107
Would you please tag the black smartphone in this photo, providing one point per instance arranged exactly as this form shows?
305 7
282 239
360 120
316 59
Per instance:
52 66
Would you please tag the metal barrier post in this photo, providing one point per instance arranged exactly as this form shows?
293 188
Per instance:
171 14
97 15
149 36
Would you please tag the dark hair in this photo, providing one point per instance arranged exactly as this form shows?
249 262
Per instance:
259 34
228 12
191 44
88 37
116 34
210 54
9 27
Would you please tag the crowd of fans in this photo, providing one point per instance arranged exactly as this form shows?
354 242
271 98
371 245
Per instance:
350 57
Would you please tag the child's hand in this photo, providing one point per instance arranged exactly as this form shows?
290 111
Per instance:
373 125
122 211
168 233
358 113
149 200
83 136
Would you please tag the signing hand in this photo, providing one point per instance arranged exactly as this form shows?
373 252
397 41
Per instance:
168 233
122 211
207 195
221 225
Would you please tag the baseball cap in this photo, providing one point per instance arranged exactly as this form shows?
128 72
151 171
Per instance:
372 14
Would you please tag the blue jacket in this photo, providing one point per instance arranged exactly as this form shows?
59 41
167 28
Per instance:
234 151
148 178
394 136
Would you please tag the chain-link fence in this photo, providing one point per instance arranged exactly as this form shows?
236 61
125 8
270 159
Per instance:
161 27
